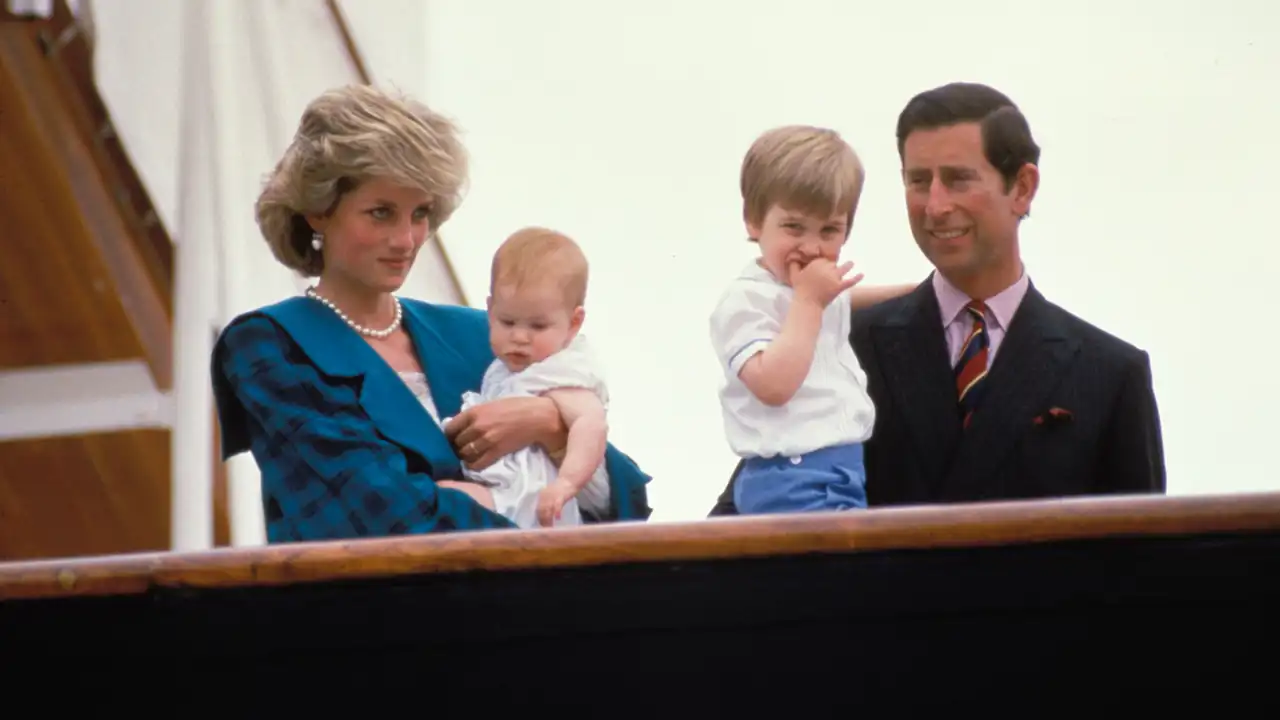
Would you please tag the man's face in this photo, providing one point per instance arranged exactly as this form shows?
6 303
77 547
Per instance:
962 217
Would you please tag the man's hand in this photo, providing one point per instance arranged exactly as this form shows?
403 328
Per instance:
821 280
551 501
489 431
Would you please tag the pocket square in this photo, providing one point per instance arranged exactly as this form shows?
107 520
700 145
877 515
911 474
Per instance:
1055 416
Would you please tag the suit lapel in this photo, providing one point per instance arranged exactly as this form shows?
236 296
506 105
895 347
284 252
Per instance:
338 351
912 353
1035 352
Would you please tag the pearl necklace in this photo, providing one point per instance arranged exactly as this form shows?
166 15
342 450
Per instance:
370 332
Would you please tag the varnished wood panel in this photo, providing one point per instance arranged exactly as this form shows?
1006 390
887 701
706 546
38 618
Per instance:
85 495
57 303
221 497
70 59
959 526
86 276
74 285
93 495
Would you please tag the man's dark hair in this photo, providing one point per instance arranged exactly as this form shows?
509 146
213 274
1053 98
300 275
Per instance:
1006 137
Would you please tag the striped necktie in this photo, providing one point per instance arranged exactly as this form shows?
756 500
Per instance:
971 370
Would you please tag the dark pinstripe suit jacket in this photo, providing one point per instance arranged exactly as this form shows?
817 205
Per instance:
1107 441
344 447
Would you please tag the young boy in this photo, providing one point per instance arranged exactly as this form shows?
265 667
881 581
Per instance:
794 397
538 285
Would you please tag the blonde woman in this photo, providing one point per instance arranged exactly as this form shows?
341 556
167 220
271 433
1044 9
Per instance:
339 393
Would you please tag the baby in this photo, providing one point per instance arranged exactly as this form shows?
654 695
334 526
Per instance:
794 399
538 285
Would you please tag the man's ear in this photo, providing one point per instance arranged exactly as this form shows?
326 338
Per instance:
1025 184
488 303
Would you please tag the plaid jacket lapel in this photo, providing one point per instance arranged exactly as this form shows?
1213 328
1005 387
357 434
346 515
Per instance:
338 351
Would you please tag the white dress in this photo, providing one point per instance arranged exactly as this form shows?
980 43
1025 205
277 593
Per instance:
517 478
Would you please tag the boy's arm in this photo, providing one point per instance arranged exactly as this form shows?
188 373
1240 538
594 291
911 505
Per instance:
862 297
584 415
775 374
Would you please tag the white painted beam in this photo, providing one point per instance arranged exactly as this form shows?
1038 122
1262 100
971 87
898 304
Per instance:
38 8
194 287
59 400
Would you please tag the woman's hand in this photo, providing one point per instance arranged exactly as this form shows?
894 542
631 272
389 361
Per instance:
489 431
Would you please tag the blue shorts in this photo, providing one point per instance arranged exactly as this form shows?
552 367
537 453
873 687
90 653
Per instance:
831 478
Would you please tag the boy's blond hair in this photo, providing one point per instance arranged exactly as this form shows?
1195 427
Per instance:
536 253
807 169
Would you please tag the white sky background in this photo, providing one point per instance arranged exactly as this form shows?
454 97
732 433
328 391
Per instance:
623 124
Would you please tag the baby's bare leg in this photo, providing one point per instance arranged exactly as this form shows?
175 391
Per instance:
479 493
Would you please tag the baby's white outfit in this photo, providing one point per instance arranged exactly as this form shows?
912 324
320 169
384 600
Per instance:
517 478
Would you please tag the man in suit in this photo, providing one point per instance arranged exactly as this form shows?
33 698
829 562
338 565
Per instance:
985 390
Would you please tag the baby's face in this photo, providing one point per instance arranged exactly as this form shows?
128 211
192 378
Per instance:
530 323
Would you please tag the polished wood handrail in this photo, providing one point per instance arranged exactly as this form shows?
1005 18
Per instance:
923 527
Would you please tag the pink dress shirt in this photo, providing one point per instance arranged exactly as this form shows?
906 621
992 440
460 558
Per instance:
957 324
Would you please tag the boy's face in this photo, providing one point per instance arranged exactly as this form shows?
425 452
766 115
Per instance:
788 237
529 323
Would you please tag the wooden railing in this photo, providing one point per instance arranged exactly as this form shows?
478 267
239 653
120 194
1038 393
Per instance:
1153 600
915 529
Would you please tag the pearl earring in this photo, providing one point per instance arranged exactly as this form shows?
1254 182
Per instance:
317 241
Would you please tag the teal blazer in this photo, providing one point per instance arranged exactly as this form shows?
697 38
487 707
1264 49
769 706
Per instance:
344 448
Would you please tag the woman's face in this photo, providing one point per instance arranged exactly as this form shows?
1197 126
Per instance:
373 236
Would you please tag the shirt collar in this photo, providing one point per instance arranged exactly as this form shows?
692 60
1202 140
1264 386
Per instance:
754 271
1002 306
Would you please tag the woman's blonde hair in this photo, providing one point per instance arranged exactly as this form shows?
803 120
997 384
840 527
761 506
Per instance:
346 136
